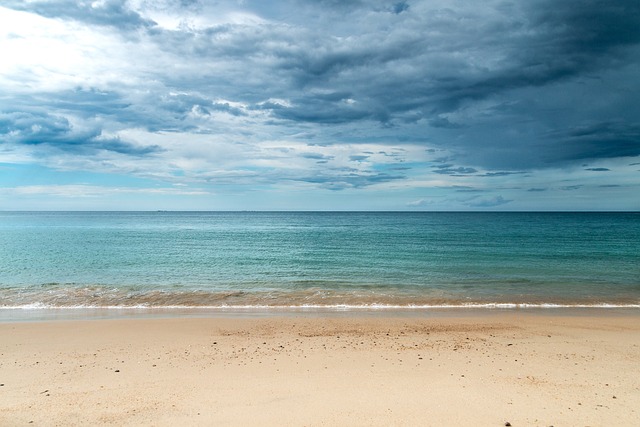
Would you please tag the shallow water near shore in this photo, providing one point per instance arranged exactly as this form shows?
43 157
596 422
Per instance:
335 261
81 314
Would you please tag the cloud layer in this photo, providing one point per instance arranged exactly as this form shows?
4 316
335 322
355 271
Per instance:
408 101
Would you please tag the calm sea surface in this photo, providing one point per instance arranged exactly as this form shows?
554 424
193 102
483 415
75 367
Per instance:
344 260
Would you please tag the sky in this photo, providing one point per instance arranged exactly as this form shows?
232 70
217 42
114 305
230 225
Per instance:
320 105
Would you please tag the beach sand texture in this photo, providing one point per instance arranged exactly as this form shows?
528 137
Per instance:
475 370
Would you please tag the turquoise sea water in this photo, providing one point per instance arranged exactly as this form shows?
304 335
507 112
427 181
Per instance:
266 260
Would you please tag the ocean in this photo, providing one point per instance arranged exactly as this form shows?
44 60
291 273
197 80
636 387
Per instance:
317 260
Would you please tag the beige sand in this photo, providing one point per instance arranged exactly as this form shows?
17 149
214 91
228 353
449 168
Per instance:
485 370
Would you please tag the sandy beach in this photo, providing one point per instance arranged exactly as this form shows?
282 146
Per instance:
515 367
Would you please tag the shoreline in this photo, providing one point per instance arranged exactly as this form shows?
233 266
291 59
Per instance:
22 314
523 367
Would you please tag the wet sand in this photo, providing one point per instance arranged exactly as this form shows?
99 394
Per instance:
514 367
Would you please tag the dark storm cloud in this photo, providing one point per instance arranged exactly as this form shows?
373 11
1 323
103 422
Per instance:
425 62
39 129
598 141
552 41
484 82
410 74
591 26
547 42
322 112
544 44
